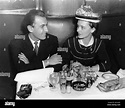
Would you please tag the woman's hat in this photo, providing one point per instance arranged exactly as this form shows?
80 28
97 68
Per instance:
86 13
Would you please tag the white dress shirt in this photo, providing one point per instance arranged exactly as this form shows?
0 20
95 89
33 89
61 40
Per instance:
32 41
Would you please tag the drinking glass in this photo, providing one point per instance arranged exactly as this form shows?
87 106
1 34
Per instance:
53 80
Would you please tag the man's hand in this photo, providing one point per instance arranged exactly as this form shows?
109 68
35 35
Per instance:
55 59
23 58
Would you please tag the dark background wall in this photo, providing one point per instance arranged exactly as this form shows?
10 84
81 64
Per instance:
61 23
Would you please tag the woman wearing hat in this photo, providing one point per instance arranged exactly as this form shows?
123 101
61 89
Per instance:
85 48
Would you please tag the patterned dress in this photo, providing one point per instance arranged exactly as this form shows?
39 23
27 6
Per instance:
88 56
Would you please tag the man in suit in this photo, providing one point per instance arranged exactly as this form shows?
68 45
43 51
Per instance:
35 49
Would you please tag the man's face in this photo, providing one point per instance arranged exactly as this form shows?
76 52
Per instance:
40 27
83 29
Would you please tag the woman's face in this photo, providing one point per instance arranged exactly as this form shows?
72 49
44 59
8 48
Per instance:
84 30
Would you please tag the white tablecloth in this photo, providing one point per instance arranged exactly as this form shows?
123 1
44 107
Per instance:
89 93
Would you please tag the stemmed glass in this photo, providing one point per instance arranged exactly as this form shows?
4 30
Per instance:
53 80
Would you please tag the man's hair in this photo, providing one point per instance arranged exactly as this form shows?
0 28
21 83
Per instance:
29 19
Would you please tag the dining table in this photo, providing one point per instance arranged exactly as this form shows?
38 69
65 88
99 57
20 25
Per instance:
42 90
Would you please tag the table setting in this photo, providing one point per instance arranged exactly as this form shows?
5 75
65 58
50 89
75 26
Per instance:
72 82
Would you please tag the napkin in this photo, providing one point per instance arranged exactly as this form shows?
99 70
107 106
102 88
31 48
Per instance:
34 76
112 85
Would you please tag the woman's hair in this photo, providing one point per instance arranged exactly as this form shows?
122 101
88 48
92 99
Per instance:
29 19
94 25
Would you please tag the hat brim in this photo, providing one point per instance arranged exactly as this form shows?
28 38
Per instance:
89 20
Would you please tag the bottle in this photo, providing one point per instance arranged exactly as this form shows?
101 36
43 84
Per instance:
69 79
89 82
62 82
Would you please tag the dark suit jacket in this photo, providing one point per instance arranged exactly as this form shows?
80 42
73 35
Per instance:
47 48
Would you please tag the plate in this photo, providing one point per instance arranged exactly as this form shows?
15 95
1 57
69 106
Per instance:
110 76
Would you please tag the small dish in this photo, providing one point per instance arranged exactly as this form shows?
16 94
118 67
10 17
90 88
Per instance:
110 76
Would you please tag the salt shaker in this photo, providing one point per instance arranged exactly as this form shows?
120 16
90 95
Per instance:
68 87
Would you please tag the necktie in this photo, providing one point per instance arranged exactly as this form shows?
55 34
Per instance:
36 47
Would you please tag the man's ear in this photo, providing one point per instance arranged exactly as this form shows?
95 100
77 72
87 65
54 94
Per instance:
30 28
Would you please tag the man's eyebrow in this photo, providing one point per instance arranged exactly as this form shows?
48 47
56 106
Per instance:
44 24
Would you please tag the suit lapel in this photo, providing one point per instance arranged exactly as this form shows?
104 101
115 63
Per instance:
42 52
28 47
28 43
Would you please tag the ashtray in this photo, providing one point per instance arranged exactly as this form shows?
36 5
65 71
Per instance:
25 91
79 86
110 76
